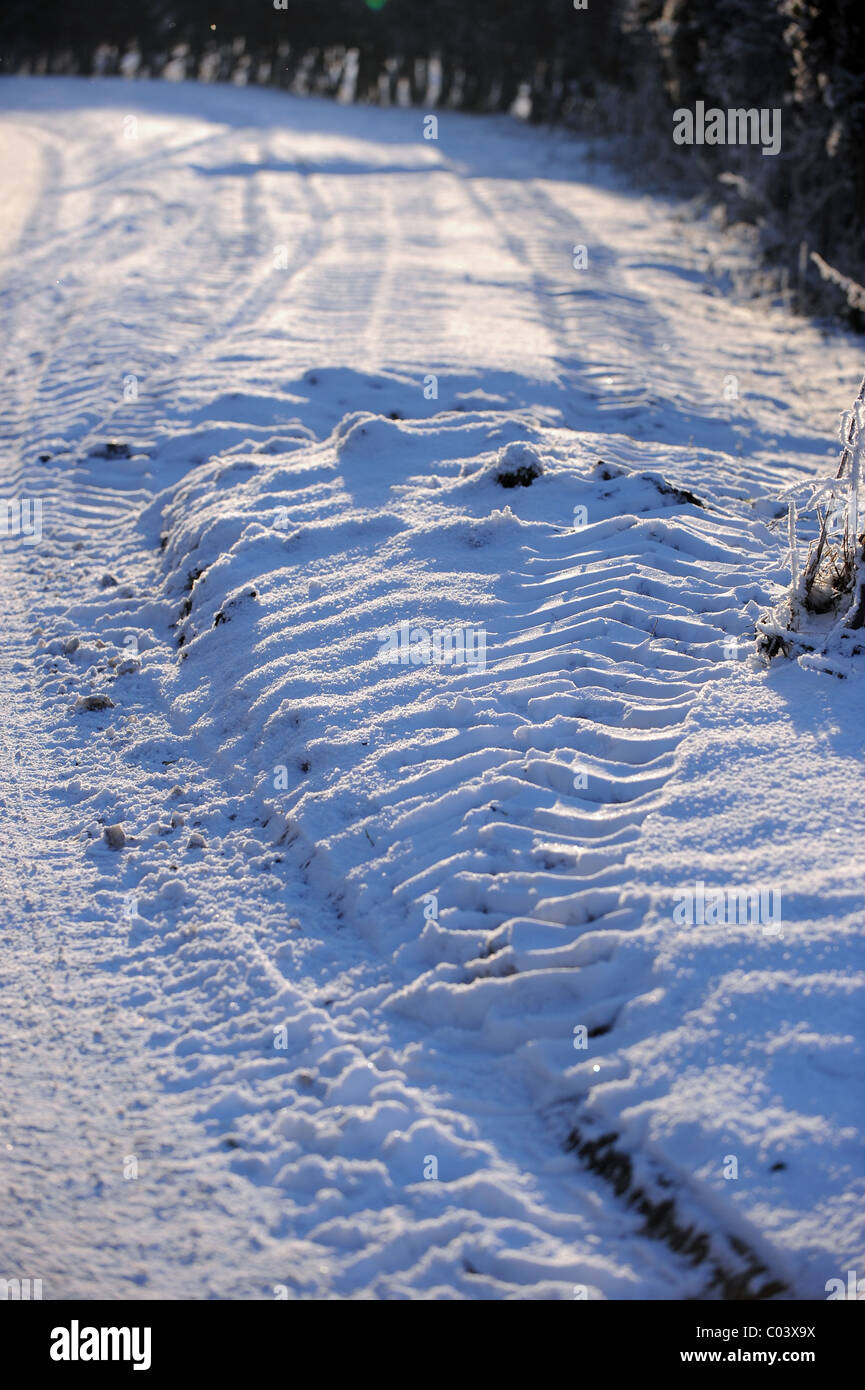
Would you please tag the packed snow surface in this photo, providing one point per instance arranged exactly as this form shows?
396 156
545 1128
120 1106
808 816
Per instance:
414 885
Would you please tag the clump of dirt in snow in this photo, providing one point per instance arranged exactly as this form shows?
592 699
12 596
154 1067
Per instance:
110 449
88 702
609 471
115 836
518 465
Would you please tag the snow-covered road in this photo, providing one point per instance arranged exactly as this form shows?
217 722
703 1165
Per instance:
270 366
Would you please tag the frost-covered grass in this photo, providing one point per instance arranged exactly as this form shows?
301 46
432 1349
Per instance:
821 617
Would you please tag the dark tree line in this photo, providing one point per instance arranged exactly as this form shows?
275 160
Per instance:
618 67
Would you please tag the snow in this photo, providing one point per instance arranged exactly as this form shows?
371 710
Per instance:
310 935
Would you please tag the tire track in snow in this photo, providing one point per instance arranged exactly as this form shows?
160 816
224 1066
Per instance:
595 670
208 252
609 334
603 689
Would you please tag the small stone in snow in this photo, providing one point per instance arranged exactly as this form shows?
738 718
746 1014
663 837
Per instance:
195 841
115 836
108 581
